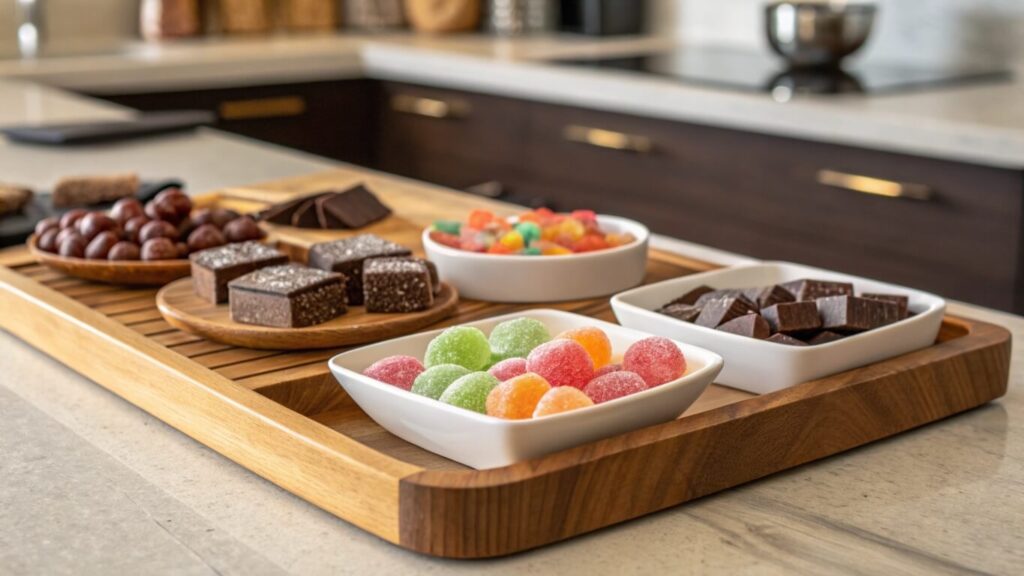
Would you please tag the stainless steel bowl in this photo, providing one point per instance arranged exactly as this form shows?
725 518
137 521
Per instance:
818 34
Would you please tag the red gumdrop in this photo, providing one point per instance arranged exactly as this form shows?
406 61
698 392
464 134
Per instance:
657 360
614 385
608 369
508 369
562 363
395 370
445 239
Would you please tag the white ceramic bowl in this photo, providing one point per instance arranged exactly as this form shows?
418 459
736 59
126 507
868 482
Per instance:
762 367
482 441
513 278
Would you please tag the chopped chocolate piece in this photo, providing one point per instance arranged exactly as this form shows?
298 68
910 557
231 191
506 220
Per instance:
287 296
717 312
86 190
347 256
787 340
765 296
902 301
395 285
853 314
684 312
720 294
806 289
282 213
325 219
305 215
212 269
824 337
691 296
356 207
792 317
750 325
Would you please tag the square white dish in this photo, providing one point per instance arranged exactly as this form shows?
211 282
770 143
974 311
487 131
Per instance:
482 441
761 367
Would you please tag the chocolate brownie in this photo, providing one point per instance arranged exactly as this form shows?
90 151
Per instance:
396 285
212 269
347 257
287 296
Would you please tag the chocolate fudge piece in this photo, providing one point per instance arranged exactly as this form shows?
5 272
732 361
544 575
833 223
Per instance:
787 340
356 207
765 296
212 269
807 289
684 312
720 294
902 301
824 337
287 296
717 312
750 325
792 317
853 314
691 296
396 285
86 190
347 257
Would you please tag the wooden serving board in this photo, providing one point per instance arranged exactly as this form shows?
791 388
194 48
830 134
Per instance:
282 415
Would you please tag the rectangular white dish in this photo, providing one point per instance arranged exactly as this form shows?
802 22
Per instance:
759 366
482 441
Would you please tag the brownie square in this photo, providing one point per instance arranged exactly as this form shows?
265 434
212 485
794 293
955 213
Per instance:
288 296
347 257
396 285
212 269
903 302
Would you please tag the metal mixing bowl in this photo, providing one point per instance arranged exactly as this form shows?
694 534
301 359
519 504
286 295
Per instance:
818 34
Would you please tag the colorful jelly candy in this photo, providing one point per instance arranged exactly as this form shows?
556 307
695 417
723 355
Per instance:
657 360
518 337
395 370
508 369
530 231
462 345
614 385
448 226
561 399
614 367
433 381
594 341
470 391
517 398
562 363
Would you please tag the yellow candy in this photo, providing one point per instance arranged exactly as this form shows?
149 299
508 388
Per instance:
555 250
572 228
513 241
594 341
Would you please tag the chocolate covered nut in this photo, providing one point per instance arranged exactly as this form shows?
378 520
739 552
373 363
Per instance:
719 311
903 302
100 246
174 197
792 317
73 246
220 217
765 296
124 250
47 241
64 233
133 226
824 337
93 223
125 209
212 269
47 224
807 289
347 257
853 314
157 229
71 216
182 249
206 236
162 210
287 296
396 285
787 340
242 229
684 312
159 249
750 325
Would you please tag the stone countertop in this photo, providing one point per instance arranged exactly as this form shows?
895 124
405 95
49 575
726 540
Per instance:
981 124
95 485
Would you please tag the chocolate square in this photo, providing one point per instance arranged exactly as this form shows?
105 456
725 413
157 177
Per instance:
684 312
396 285
691 296
287 296
750 325
717 312
792 317
325 219
282 213
824 337
347 257
787 340
305 214
720 294
212 269
765 296
900 300
356 207
807 289
853 314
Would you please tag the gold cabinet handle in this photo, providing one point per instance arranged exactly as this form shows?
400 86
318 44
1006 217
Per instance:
429 107
607 139
875 186
278 107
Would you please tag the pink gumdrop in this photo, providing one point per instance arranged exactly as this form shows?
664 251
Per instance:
508 369
608 369
395 370
657 360
614 385
562 363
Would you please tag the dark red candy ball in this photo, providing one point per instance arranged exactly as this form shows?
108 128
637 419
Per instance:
47 241
206 236
159 249
242 229
157 229
100 246
124 250
73 246
71 216
93 223
47 224
125 209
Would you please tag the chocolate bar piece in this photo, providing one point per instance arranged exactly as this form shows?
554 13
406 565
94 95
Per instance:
325 219
305 215
765 296
806 289
356 207
691 296
347 257
282 213
792 317
750 325
853 314
720 294
787 340
396 285
86 190
684 312
902 301
212 269
824 337
717 312
287 296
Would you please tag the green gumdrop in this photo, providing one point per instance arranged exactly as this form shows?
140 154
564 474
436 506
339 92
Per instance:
517 338
448 226
532 251
470 391
530 231
495 358
433 381
462 345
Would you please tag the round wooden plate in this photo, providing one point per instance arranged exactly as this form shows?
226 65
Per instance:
127 272
183 309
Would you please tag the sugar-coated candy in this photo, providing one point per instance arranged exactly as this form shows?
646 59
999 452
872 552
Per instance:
530 231
562 363
462 345
517 337
398 371
445 239
537 232
433 381
448 226
480 218
657 360
561 399
614 385
513 241
508 369
531 251
594 341
517 398
470 391
608 368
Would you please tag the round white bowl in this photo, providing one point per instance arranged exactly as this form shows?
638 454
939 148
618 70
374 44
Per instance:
515 278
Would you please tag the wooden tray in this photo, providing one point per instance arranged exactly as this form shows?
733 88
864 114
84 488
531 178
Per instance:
282 415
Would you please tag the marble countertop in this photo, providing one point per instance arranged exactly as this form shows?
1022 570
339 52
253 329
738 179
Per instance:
981 124
95 485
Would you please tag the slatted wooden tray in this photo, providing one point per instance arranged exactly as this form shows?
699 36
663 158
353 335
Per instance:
281 415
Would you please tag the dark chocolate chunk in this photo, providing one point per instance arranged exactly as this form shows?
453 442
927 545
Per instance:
720 294
691 296
807 289
287 296
396 285
356 207
765 296
684 312
824 337
305 215
282 213
325 219
347 257
792 317
902 301
212 269
750 325
853 314
717 312
787 340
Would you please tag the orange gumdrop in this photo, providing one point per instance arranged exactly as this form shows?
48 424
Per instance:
594 341
561 399
516 398
479 218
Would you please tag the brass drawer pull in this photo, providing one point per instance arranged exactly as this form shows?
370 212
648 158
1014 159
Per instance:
875 186
280 107
429 107
607 139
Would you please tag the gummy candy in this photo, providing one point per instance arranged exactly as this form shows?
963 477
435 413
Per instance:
508 369
436 379
448 226
657 360
590 243
594 341
395 370
615 367
531 251
517 398
462 345
561 399
614 385
562 363
470 391
572 228
517 337
480 218
513 241
530 231
539 231
445 239
584 215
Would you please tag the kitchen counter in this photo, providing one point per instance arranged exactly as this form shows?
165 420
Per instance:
92 484
981 124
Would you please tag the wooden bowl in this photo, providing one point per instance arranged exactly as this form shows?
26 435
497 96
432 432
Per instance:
127 272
